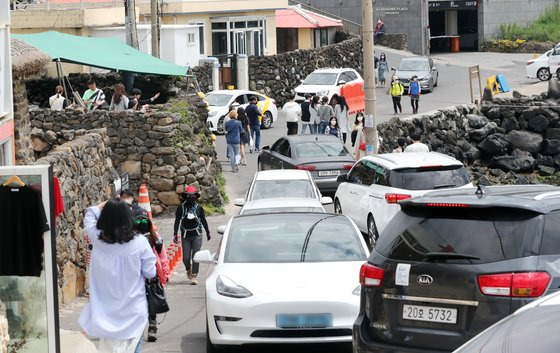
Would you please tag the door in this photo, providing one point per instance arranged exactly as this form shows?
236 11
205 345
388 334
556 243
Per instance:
354 188
554 61
376 204
284 158
272 160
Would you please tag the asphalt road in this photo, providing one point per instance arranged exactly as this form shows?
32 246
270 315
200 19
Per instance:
183 328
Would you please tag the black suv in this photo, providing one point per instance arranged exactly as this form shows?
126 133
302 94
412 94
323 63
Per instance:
454 262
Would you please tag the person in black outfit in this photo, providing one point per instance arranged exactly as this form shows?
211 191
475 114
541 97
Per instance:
305 113
254 113
134 101
190 219
245 134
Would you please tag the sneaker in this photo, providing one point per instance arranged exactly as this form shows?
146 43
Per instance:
237 168
194 280
189 274
152 333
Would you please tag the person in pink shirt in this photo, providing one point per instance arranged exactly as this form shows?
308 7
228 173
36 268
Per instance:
144 226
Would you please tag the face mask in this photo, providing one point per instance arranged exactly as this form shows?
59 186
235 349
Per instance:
128 201
360 118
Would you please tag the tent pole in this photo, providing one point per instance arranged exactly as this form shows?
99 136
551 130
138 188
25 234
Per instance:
59 67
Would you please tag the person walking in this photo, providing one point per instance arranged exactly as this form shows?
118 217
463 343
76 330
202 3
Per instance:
401 144
375 69
396 91
358 125
144 226
190 219
416 145
382 68
414 92
341 114
93 97
245 134
121 260
119 101
254 114
333 128
314 118
57 101
306 114
292 109
233 130
334 100
325 113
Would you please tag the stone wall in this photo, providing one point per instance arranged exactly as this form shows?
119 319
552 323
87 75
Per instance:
24 152
4 336
278 75
397 41
506 137
166 149
204 76
85 172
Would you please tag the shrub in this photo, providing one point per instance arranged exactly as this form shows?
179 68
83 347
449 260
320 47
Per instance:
545 29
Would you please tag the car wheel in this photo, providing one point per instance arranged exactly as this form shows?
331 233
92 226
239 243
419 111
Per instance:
266 120
260 165
544 74
337 207
431 87
220 127
437 79
372 233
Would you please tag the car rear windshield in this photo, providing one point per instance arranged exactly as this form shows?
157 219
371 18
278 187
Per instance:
321 79
429 178
271 189
217 100
283 209
320 149
291 237
414 65
491 234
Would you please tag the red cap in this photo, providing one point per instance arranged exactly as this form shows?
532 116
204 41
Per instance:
191 190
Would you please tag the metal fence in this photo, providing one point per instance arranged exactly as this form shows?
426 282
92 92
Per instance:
348 26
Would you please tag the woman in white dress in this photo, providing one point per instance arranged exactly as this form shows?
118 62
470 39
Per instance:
341 113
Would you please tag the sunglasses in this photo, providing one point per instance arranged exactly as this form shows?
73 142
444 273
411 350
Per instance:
142 221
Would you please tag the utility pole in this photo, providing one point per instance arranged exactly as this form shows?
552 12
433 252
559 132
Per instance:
154 17
370 126
130 23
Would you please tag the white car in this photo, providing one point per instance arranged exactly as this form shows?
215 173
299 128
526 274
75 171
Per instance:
284 278
538 67
326 82
220 101
282 205
370 192
283 183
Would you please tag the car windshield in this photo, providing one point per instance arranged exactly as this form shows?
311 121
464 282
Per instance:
217 99
271 189
283 209
490 234
429 178
414 65
291 238
321 149
321 79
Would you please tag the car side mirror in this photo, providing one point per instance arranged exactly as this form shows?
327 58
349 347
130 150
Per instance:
325 200
341 82
343 178
221 229
266 148
239 202
204 257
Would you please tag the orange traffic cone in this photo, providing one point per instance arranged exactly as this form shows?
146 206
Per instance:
144 202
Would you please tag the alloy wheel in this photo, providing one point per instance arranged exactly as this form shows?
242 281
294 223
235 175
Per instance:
220 127
267 120
543 74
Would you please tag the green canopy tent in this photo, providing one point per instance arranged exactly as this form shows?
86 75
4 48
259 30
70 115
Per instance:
104 53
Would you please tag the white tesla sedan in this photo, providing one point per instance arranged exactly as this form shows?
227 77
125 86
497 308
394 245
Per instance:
284 278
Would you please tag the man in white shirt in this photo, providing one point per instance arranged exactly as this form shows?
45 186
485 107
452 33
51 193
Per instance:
292 110
416 145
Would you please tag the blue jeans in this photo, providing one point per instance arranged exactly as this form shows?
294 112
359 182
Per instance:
314 129
140 344
322 126
304 127
256 134
233 151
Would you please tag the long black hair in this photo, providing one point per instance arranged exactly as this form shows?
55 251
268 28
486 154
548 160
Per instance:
145 227
242 116
116 222
342 103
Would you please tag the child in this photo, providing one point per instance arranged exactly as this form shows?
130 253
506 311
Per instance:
143 225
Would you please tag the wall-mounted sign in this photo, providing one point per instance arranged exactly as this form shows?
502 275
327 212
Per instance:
453 5
384 11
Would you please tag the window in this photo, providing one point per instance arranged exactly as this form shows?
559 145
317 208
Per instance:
239 36
3 154
219 43
429 178
200 35
321 37
276 147
360 175
377 174
273 189
190 39
351 75
551 236
285 149
321 149
241 99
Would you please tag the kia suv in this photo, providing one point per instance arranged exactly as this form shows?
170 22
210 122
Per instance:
454 262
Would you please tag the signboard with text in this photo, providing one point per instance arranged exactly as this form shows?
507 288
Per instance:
453 5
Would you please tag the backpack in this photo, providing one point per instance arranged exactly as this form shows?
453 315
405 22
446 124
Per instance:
190 223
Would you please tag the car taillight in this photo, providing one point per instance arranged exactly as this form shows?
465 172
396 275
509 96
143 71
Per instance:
524 284
347 166
394 198
371 276
444 204
308 167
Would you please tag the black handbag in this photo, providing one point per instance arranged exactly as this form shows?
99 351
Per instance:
157 303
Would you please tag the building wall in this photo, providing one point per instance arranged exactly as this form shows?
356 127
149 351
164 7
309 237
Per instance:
347 9
305 38
402 16
522 12
44 20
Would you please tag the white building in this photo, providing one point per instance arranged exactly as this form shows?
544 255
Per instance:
179 44
6 105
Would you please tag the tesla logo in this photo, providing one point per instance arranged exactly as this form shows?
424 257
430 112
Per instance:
425 280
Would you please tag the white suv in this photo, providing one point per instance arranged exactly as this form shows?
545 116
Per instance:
370 192
326 82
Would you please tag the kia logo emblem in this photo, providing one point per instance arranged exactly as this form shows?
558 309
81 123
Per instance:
425 280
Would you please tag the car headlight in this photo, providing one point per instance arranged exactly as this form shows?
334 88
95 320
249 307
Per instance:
323 93
229 288
212 114
425 78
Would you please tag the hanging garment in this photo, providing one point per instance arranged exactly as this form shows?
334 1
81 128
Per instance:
23 222
58 203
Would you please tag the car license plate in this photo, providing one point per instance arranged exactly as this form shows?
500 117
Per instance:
430 314
304 320
324 173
